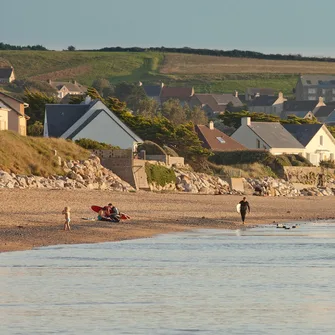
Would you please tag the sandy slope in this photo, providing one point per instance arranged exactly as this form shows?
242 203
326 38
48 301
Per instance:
32 218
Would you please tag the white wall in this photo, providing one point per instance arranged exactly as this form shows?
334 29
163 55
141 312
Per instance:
104 129
313 147
3 119
280 151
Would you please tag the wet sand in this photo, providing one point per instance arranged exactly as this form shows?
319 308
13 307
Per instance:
32 218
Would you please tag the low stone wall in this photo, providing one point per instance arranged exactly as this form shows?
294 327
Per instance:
89 174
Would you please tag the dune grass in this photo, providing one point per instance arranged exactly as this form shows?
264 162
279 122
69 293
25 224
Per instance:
36 155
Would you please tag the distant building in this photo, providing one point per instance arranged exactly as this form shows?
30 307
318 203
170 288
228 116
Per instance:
302 108
252 93
12 114
64 88
323 113
215 140
92 120
6 75
310 87
267 104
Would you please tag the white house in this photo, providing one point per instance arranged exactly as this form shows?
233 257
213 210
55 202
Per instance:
271 136
319 143
92 120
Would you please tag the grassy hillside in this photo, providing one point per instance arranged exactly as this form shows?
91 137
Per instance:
205 73
35 155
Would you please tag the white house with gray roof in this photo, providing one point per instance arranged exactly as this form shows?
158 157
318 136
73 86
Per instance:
313 86
318 142
92 120
271 136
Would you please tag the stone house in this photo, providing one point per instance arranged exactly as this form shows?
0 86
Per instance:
6 75
312 86
92 120
267 104
12 116
271 136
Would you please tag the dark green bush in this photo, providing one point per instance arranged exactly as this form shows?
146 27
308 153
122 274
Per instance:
159 174
89 144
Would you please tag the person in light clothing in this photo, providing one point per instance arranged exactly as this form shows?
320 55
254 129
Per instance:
66 212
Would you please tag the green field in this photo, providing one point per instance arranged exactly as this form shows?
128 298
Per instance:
205 73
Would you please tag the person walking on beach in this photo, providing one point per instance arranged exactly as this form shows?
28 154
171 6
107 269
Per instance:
244 208
66 212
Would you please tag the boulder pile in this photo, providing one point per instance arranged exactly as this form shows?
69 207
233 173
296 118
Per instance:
88 174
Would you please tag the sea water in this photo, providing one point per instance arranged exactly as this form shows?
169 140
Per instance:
259 281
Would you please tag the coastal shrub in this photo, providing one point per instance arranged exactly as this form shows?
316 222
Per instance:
328 164
89 144
159 174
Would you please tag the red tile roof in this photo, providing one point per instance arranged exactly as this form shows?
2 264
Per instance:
216 140
182 93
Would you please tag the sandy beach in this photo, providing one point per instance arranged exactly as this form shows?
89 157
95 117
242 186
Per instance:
32 218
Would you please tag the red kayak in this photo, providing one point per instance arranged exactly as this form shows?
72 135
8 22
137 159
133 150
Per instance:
123 216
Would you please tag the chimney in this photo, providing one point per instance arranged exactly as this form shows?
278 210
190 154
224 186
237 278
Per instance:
280 95
140 83
162 85
236 94
74 82
321 100
246 121
49 81
211 125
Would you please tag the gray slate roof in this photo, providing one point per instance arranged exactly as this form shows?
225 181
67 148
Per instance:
260 91
296 105
225 99
324 111
303 132
5 72
61 117
152 91
317 79
263 100
275 135
301 114
72 87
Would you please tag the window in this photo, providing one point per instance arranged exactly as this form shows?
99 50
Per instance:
221 140
258 143
311 90
308 82
312 97
321 140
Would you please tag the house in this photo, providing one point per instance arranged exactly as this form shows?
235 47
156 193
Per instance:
267 104
214 104
252 93
303 115
153 91
215 140
12 116
183 94
64 88
271 136
295 107
6 75
323 113
91 119
309 87
318 141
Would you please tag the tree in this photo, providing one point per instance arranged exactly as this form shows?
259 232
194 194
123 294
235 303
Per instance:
104 87
196 115
71 48
174 112
147 108
37 101
35 129
131 93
